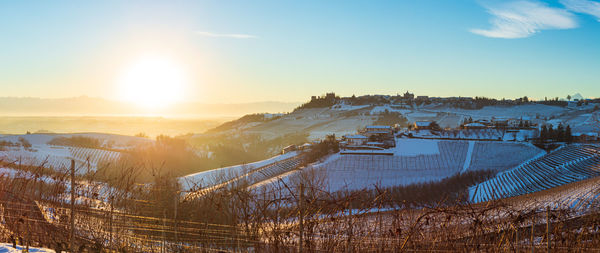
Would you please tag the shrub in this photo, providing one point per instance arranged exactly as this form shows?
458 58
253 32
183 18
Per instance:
25 143
76 141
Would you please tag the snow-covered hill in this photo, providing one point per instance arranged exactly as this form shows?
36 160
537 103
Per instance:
59 157
341 119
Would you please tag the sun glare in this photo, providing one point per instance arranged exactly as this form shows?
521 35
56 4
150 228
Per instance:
152 82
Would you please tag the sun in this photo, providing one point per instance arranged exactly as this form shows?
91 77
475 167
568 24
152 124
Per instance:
152 82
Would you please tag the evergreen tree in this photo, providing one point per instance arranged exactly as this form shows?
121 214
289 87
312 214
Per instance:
551 134
544 133
434 125
568 134
560 133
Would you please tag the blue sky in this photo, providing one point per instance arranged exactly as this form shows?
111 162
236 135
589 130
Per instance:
243 51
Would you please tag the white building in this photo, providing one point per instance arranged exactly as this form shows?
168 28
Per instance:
356 140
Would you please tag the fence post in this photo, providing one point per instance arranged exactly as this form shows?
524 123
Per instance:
548 242
72 232
163 248
110 222
517 238
301 218
350 228
380 227
532 233
175 219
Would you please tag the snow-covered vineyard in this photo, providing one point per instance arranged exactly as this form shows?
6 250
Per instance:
477 134
249 175
563 166
577 196
253 172
58 157
355 172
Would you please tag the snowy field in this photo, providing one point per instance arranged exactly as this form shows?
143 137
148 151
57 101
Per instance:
389 108
220 175
342 119
59 157
517 111
118 141
501 155
7 248
477 134
563 166
415 147
578 196
417 161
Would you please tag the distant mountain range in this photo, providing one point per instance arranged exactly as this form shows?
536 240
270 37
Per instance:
84 106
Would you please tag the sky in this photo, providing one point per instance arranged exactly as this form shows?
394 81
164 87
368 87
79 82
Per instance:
245 51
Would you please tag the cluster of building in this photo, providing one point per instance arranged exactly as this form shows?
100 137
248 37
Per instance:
500 122
371 137
494 122
303 147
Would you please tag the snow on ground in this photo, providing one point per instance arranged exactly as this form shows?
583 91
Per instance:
491 155
521 135
220 175
40 154
477 134
414 147
584 123
56 157
345 107
421 115
431 160
415 161
468 159
578 196
118 141
99 191
390 108
564 165
515 111
7 248
317 122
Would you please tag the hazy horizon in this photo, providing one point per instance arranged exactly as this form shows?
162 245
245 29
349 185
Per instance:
99 107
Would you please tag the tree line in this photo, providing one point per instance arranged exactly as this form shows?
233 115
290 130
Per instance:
560 134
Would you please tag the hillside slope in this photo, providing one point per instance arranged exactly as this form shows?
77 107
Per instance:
341 118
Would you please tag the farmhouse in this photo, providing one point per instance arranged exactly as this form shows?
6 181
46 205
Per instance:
356 140
376 144
288 149
500 121
585 137
523 122
305 146
422 125
377 130
474 125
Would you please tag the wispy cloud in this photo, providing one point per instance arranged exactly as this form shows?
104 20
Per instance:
522 19
226 35
583 6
